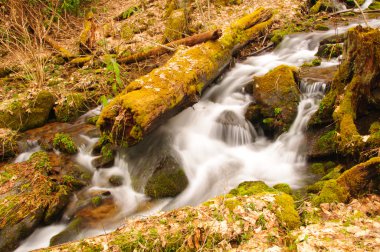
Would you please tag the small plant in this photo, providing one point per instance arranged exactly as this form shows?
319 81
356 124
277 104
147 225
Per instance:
113 69
277 111
64 143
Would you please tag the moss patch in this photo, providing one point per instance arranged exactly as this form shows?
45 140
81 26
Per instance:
24 112
64 143
70 107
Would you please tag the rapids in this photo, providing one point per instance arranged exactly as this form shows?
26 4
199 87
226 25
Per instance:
217 147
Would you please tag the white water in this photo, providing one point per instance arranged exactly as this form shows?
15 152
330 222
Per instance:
217 147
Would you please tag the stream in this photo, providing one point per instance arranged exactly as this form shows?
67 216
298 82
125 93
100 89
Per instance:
217 147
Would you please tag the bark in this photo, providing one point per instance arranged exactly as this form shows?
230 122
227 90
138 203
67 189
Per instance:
152 99
157 51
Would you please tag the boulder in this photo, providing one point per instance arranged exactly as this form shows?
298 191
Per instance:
26 111
168 179
276 96
33 193
8 143
70 107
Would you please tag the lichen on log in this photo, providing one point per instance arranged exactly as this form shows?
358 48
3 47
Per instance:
148 101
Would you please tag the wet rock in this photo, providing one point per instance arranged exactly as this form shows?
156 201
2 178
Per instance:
8 143
277 96
26 112
375 5
32 193
106 158
329 51
70 107
322 5
168 179
116 180
71 231
321 143
232 129
336 39
64 143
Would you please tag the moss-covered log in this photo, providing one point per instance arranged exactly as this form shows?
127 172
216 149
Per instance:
148 101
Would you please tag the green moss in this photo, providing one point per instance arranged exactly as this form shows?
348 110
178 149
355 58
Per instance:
64 143
8 143
251 188
329 51
283 188
42 162
316 187
286 212
166 182
25 113
231 203
92 120
71 107
321 27
127 31
375 5
327 141
96 201
334 173
314 62
142 105
176 25
331 192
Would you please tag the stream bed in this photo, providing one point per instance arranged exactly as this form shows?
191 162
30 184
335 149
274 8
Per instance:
217 147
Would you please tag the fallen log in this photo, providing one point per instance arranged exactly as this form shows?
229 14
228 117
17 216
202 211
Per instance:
149 101
159 50
56 46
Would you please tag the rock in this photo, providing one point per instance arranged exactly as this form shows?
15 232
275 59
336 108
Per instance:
329 51
354 84
228 123
277 96
322 5
63 142
8 143
106 158
25 112
70 107
375 5
32 194
336 39
285 188
321 143
168 179
71 231
116 180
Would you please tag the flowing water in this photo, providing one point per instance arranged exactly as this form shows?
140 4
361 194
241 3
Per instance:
217 147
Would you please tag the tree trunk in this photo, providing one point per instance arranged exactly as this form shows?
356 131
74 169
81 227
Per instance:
152 99
157 51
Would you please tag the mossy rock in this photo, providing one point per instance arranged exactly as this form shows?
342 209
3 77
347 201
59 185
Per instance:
321 27
329 51
69 233
70 107
25 113
356 83
322 5
116 180
277 96
375 5
374 138
323 168
8 143
64 142
176 25
331 192
107 157
127 31
285 211
31 198
168 180
351 3
282 187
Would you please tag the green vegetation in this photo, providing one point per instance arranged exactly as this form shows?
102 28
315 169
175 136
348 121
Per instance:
64 143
